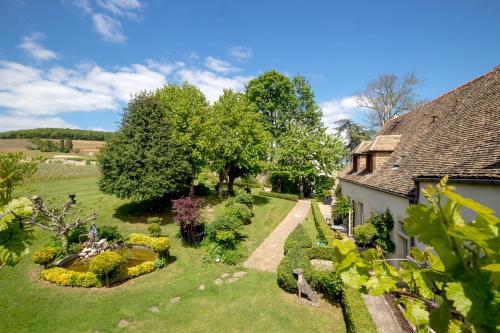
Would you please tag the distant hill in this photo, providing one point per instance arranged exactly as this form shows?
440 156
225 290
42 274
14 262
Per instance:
57 133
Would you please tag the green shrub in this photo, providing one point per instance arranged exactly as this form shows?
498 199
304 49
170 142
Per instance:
109 266
154 229
341 209
323 187
109 233
141 269
160 262
161 246
325 234
154 219
45 256
295 258
138 239
321 252
365 234
227 222
384 223
65 277
291 197
328 283
217 252
74 248
358 319
297 238
76 234
244 198
201 189
239 211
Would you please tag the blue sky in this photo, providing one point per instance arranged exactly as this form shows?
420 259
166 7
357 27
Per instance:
75 63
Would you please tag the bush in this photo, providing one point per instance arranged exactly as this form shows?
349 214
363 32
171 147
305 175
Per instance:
109 233
226 222
358 319
325 233
323 187
74 248
297 238
244 198
341 209
384 223
365 234
154 219
138 239
295 258
160 263
65 277
321 252
141 269
291 197
161 246
154 229
329 284
45 256
201 189
109 266
239 211
76 234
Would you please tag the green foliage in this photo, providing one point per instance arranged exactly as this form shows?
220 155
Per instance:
341 209
358 319
325 234
328 283
68 278
323 187
13 169
110 267
240 212
160 245
57 133
295 258
154 229
46 145
238 142
365 234
141 269
138 239
110 233
297 238
78 234
458 272
154 219
355 133
321 252
145 159
242 197
291 197
383 223
44 256
201 189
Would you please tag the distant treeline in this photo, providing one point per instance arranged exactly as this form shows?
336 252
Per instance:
57 133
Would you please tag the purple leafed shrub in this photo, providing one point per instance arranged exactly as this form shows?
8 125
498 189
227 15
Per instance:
188 216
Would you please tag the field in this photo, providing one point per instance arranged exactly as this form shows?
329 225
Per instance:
15 145
253 304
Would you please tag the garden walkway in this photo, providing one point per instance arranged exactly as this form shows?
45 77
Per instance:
269 254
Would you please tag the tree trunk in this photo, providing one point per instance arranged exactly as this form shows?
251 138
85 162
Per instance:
230 185
301 186
220 186
191 186
64 241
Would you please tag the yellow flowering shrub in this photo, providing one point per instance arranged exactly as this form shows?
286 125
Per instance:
143 268
65 277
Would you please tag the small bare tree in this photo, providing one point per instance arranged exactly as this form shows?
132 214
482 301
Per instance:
54 220
389 96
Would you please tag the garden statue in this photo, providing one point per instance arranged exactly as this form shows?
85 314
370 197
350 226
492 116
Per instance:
304 288
93 235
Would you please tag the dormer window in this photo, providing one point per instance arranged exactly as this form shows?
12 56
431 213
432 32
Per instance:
355 163
369 162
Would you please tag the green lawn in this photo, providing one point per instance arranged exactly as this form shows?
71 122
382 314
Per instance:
253 304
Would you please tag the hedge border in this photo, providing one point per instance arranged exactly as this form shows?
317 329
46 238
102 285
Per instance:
325 234
291 197
356 314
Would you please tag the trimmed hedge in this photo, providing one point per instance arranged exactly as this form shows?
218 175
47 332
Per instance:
297 238
358 319
291 197
67 278
295 258
160 245
110 267
325 234
321 252
45 255
239 211
141 269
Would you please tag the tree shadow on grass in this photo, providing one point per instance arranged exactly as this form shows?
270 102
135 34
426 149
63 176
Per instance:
260 200
138 212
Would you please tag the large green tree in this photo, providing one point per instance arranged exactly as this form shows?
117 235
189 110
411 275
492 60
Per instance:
282 101
145 160
303 154
354 132
186 112
13 169
238 141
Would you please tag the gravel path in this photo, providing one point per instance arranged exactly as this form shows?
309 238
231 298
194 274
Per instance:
269 254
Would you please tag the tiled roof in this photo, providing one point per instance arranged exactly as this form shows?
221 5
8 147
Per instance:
385 143
457 134
362 147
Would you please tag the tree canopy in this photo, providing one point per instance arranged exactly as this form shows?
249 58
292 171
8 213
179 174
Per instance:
57 133
13 169
145 160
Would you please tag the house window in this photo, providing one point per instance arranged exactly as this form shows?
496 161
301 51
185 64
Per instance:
355 163
405 248
369 162
360 214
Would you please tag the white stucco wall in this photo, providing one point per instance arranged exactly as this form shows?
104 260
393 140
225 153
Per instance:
486 194
377 201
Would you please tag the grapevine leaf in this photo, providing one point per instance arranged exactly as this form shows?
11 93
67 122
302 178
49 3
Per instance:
353 278
439 318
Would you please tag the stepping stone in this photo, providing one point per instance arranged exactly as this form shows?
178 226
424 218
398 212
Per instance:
123 323
225 275
175 300
232 280
239 274
218 282
154 309
201 287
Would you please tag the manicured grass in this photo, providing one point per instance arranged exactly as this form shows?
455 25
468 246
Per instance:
252 304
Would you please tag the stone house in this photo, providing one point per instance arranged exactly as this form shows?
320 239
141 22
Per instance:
457 134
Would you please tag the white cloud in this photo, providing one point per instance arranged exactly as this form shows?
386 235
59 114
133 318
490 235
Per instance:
220 66
165 68
31 44
15 122
121 7
241 53
337 109
108 28
212 84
